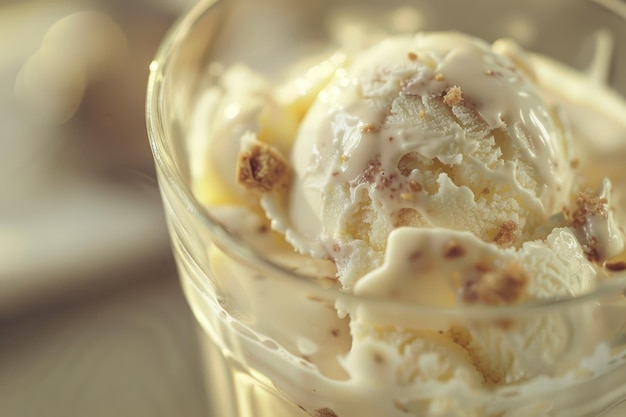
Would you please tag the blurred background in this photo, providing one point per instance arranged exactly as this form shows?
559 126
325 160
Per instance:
92 320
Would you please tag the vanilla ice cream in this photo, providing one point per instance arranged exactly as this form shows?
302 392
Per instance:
427 130
431 170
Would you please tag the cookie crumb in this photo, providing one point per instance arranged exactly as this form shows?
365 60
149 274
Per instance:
453 96
587 204
592 249
506 285
506 233
615 266
325 412
412 56
262 168
415 186
453 250
369 128
414 256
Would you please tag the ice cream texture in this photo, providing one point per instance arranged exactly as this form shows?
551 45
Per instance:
432 169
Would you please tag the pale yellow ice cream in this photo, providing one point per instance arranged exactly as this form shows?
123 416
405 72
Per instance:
429 170
425 131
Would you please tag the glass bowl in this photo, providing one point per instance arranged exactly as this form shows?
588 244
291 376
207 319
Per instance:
278 341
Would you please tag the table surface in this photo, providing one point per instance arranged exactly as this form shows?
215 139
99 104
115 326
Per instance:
130 352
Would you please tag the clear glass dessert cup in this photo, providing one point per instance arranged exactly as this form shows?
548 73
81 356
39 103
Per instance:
273 341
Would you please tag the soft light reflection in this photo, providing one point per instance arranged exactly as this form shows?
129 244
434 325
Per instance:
232 110
74 50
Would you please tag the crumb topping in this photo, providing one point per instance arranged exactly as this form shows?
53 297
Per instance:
415 186
453 96
592 249
414 256
588 204
615 266
262 168
506 233
506 285
369 128
453 249
325 412
439 77
412 56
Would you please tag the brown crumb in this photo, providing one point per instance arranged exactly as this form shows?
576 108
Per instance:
505 324
485 191
439 77
262 168
325 412
506 285
459 335
452 250
263 229
453 96
615 266
378 358
587 204
415 256
369 128
335 332
373 169
422 114
415 186
506 233
574 163
412 56
490 72
592 250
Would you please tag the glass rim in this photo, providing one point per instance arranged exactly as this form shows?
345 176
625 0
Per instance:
157 134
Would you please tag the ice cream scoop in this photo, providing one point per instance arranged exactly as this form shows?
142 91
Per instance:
430 130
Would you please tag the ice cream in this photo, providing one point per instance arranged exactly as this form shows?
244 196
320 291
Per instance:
431 130
427 170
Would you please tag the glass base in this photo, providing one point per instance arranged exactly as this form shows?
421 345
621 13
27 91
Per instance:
234 392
